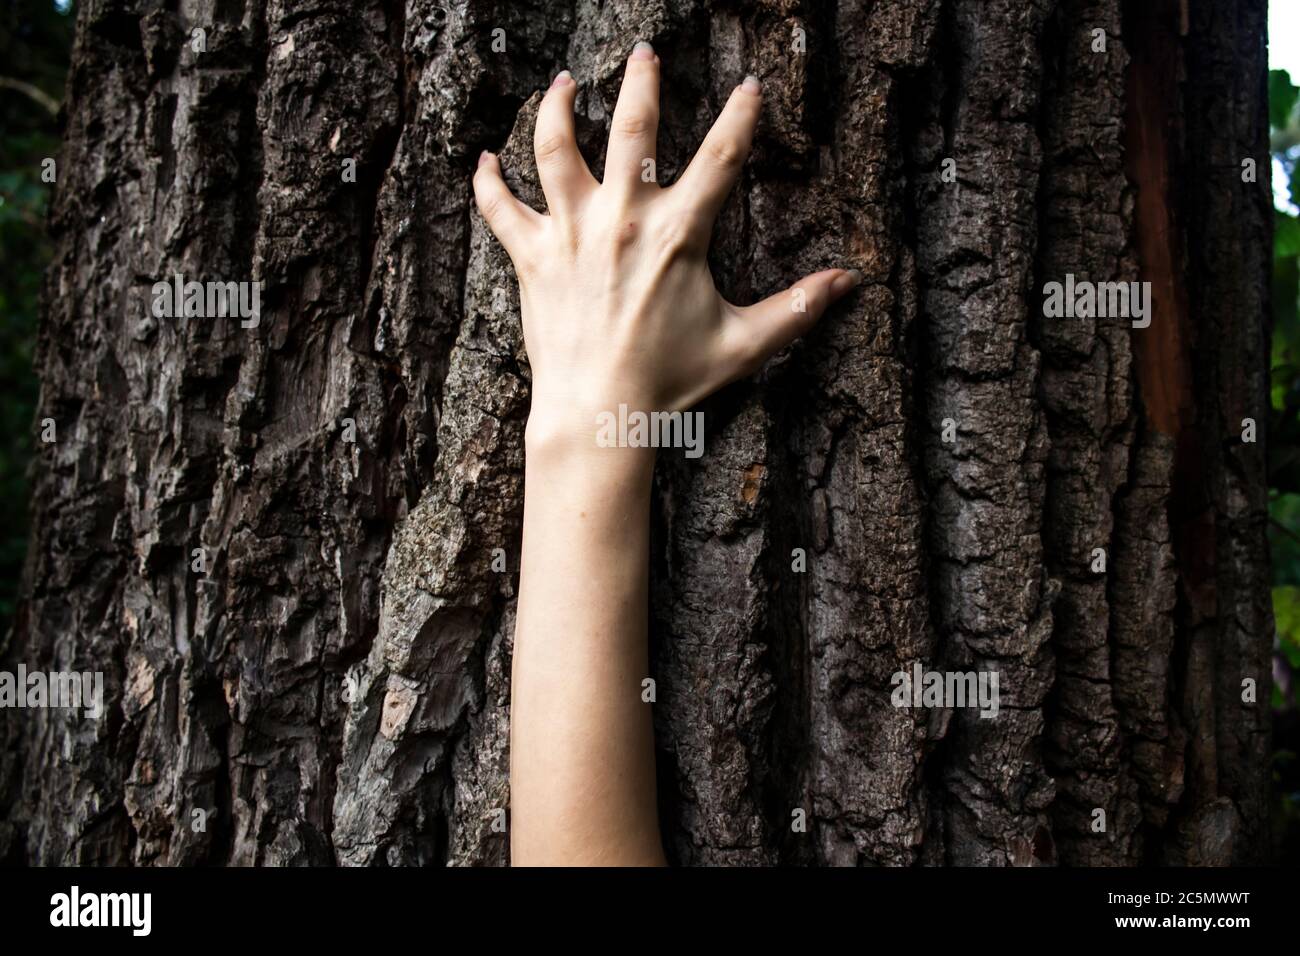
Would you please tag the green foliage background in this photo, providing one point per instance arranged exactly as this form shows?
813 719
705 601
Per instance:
1284 431
1284 455
35 43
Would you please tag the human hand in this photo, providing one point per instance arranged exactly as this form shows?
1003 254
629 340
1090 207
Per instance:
617 300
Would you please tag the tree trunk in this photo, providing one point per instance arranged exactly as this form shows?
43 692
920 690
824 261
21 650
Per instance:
925 478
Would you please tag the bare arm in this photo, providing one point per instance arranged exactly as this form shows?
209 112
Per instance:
619 308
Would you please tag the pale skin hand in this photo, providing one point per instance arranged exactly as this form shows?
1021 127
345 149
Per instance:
618 307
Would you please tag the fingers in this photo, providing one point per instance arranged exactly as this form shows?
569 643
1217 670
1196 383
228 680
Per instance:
761 330
510 220
563 172
716 166
630 156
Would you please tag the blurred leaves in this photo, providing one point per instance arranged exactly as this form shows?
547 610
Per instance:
35 40
1284 424
1284 452
1282 96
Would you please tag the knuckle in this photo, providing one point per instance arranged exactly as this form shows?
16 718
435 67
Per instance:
676 236
490 207
622 235
683 232
563 236
525 265
634 125
549 147
724 153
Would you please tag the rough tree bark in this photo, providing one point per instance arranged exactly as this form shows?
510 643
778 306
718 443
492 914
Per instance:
334 687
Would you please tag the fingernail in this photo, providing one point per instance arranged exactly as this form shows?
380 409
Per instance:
642 51
483 157
752 84
564 76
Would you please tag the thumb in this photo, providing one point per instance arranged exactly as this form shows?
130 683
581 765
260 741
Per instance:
762 329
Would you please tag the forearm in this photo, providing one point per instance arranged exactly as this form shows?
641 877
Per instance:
582 750
618 308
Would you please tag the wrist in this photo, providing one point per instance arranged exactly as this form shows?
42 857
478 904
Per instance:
569 439
574 415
